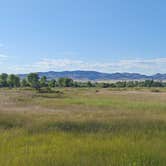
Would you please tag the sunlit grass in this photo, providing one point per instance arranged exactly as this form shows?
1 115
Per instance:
82 127
61 148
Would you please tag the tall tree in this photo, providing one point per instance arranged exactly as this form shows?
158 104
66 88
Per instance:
52 83
33 80
89 84
65 82
3 80
24 82
43 81
13 81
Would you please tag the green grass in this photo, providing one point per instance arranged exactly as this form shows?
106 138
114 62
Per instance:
82 127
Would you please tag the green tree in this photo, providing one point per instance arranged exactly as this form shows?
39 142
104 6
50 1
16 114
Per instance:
76 84
33 80
148 83
13 81
120 84
65 82
130 84
112 85
43 81
89 84
52 83
104 85
3 80
157 84
24 82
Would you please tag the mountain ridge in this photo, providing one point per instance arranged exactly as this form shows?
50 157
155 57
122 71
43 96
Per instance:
97 76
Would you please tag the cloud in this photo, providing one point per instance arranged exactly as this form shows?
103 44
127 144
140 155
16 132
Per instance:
2 56
146 66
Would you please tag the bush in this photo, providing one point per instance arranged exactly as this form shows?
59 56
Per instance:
155 90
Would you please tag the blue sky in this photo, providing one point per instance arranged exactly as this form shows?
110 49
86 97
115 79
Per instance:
102 35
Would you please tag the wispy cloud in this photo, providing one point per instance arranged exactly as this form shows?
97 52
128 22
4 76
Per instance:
146 66
2 56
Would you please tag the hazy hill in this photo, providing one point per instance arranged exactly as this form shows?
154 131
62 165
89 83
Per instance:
95 76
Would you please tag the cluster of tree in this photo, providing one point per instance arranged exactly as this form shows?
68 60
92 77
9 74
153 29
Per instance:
34 81
9 80
121 84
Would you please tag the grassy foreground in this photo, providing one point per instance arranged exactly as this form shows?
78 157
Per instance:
83 127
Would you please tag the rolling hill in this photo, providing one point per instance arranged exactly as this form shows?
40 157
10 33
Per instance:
97 76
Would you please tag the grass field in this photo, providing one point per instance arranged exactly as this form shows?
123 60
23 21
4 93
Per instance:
83 127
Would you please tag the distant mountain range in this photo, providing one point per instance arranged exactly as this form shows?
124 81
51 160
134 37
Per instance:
98 76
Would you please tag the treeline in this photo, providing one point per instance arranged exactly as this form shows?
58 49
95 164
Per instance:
33 80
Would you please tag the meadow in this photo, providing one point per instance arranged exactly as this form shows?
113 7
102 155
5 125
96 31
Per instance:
83 127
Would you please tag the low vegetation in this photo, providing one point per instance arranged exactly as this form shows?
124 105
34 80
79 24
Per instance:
83 127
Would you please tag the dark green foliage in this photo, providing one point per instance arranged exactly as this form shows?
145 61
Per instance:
43 81
13 81
148 83
65 82
130 84
3 80
52 83
33 80
89 84
104 85
24 83
121 84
